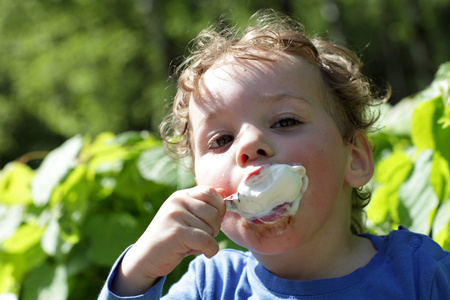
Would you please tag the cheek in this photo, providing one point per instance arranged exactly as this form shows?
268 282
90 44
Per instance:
326 174
212 173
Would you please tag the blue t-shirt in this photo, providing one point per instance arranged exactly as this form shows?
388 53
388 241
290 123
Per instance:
406 266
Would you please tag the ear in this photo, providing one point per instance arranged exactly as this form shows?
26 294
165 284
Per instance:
360 166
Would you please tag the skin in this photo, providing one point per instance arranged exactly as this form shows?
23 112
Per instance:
268 112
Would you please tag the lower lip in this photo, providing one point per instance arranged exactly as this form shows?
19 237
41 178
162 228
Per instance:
277 213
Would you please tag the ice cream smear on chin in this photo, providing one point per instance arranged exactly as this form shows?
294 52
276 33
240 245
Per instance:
269 192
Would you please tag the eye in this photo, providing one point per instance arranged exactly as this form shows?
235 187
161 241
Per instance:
286 122
220 141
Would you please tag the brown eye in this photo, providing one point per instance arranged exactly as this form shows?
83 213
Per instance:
220 141
286 122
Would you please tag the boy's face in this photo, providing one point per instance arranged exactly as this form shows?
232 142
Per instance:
254 113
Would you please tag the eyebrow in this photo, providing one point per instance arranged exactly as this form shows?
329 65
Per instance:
266 97
279 97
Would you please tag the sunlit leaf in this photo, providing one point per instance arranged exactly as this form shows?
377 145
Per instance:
15 184
7 280
445 119
424 121
443 71
394 168
53 169
13 267
378 209
51 239
391 172
441 225
440 176
128 138
9 296
25 237
430 119
75 189
11 216
105 156
417 196
155 165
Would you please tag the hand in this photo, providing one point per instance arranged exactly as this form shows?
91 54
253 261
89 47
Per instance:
185 224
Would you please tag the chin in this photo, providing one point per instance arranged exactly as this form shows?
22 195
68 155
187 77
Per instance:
266 239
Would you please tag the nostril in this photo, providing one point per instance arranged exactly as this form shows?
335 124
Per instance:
261 152
244 158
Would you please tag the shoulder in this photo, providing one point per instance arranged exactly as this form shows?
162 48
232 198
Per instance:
407 242
414 259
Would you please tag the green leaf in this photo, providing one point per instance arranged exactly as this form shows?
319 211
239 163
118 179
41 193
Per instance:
106 158
424 121
75 190
46 282
7 279
394 168
12 270
21 253
50 238
391 172
54 242
440 177
10 219
443 72
154 165
427 133
445 119
378 209
103 231
417 196
441 226
128 138
53 169
15 184
131 185
25 237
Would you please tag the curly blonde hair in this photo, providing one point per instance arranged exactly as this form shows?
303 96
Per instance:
271 35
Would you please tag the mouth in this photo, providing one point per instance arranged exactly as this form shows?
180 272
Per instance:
269 193
275 215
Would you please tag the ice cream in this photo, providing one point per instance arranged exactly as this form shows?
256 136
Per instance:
269 193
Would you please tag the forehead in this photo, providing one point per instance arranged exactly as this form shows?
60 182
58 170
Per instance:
232 78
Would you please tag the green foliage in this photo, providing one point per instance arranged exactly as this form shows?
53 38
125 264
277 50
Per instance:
412 172
84 67
64 224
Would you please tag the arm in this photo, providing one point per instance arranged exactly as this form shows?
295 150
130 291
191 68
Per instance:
185 224
153 293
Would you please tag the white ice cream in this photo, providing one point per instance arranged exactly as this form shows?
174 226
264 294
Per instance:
267 187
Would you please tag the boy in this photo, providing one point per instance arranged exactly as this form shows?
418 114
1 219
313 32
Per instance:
275 97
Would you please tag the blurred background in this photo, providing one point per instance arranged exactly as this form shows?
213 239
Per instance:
82 66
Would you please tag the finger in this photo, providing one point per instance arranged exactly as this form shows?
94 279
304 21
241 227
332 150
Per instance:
202 215
208 195
188 211
222 192
201 242
206 203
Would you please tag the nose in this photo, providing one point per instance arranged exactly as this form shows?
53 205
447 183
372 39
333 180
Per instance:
252 144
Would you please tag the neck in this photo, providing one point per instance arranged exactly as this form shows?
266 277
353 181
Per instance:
338 254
